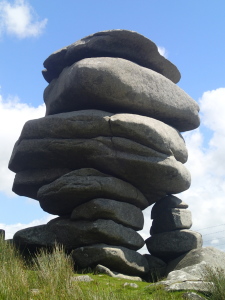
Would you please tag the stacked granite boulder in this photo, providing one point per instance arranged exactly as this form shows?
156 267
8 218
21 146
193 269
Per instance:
170 234
108 147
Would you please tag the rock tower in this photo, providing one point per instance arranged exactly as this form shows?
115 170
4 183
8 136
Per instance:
108 147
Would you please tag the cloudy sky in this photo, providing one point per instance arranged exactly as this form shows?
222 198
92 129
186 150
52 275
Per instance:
189 33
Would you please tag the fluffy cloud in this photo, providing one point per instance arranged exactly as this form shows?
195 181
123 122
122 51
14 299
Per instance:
13 116
19 19
206 163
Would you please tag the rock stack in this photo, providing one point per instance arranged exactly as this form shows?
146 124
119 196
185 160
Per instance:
170 234
108 147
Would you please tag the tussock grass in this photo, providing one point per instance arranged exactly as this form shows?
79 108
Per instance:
49 275
217 278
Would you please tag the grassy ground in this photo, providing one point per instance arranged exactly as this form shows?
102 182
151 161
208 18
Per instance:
49 277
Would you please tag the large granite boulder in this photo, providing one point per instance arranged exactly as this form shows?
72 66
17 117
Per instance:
202 258
79 186
173 219
125 44
153 173
74 234
98 83
120 212
87 124
172 244
167 203
117 258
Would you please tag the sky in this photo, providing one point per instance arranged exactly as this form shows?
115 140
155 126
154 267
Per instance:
191 34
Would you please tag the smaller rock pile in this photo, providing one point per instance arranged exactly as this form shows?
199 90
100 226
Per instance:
170 234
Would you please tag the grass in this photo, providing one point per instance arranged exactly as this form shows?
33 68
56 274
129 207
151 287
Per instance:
48 277
217 277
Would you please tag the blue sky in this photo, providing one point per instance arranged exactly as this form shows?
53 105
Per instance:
190 34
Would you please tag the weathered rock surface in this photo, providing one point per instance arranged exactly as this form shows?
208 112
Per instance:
202 257
103 270
34 238
123 213
171 219
98 83
169 245
116 258
153 173
189 278
74 234
27 183
80 186
165 203
93 123
126 44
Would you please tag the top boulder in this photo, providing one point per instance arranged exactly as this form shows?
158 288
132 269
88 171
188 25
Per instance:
125 44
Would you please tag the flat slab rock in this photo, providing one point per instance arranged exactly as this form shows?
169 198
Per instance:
123 213
27 183
93 123
155 174
80 186
169 245
165 203
126 44
98 83
74 234
103 270
116 258
34 238
171 219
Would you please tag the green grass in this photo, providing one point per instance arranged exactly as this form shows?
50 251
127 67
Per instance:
217 277
48 277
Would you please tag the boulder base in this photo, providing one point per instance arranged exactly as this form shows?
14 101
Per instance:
116 258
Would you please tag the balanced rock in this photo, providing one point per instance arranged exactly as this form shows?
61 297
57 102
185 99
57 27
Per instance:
166 203
79 186
123 213
108 147
116 258
173 219
125 44
155 174
98 83
74 234
84 124
169 245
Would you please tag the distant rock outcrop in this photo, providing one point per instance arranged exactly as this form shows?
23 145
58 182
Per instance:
108 147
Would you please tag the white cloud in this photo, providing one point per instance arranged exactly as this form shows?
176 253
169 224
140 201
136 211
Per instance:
10 230
13 116
163 51
206 164
19 19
